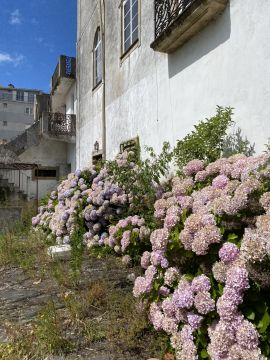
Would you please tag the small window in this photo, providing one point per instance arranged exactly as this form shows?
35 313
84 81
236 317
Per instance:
97 58
29 111
20 95
4 123
31 97
45 174
5 105
130 23
130 145
97 159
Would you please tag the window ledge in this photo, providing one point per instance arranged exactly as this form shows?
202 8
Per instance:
97 86
126 54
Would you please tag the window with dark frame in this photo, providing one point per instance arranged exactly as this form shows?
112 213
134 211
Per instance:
130 23
29 111
20 95
97 54
31 97
45 173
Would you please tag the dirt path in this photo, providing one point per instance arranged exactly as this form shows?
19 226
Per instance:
22 296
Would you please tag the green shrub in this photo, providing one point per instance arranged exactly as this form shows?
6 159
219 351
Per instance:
235 143
206 142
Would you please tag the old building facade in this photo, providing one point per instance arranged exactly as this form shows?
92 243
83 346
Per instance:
153 68
16 110
50 141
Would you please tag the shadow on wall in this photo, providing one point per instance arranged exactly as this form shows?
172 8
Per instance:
215 34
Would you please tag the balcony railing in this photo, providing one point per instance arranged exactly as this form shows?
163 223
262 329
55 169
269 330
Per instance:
166 11
66 68
176 21
61 124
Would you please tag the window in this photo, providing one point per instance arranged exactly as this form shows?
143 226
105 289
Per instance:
29 111
20 95
97 52
4 105
130 23
4 123
130 145
45 173
31 97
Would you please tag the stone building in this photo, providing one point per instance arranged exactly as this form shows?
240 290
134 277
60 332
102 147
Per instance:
153 68
16 110
50 141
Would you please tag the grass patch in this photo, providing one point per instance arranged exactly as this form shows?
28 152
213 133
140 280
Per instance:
97 308
22 249
44 337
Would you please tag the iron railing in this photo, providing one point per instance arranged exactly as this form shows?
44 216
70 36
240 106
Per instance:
61 124
166 11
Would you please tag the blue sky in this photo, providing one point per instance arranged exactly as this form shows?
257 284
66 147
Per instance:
33 33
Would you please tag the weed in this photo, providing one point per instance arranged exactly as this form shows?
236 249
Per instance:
48 332
35 342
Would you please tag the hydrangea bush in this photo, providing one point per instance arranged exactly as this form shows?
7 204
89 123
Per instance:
207 276
206 262
87 201
202 239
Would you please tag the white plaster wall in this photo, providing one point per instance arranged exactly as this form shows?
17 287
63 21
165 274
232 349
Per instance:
71 109
71 156
160 97
70 100
88 99
48 153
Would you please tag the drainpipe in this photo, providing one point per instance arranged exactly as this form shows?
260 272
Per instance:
102 27
78 78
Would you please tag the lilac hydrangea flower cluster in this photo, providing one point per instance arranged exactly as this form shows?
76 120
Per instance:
89 194
186 305
255 246
233 333
126 233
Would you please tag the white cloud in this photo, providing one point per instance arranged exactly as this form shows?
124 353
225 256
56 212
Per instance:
15 17
9 59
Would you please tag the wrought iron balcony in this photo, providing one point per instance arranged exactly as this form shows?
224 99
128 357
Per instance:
60 126
65 69
167 11
176 21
